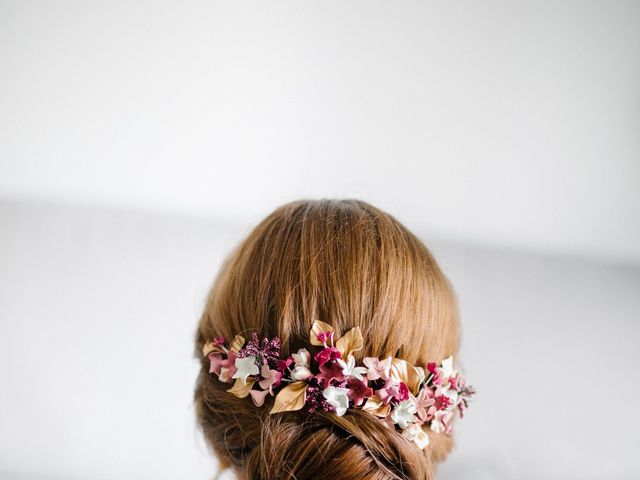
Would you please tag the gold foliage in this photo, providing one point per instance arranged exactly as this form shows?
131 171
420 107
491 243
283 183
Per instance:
350 342
375 406
240 389
291 397
316 328
401 370
237 343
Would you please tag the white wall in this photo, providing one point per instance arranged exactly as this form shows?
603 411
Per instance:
513 123
504 132
98 309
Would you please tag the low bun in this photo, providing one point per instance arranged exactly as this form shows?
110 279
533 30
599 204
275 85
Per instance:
356 446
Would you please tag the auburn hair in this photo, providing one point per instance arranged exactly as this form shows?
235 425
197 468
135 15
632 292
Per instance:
347 263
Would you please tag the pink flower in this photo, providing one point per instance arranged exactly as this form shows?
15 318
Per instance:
258 396
271 378
218 341
224 368
456 382
358 390
377 368
326 354
425 401
393 390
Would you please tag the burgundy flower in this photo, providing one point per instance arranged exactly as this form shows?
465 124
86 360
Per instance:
358 390
326 354
433 369
442 402
284 364
330 371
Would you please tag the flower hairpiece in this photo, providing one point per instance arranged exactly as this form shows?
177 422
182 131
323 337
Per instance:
400 395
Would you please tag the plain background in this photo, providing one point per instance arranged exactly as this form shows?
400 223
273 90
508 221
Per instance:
140 141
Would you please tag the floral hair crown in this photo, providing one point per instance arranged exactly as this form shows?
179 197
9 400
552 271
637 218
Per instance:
399 394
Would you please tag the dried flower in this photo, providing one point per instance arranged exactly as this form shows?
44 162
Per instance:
385 388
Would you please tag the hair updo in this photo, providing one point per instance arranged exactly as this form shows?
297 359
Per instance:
349 264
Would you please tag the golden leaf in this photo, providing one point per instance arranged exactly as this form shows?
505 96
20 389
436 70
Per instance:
237 343
401 370
375 406
316 328
241 390
291 397
209 347
350 342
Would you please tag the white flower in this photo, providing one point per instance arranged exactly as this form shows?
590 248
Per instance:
446 371
350 370
302 358
245 366
337 398
441 421
415 433
300 372
404 413
302 365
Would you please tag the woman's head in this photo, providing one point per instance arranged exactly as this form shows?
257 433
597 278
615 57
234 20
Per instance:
349 264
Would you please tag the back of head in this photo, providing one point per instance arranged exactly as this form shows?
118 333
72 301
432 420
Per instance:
350 264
